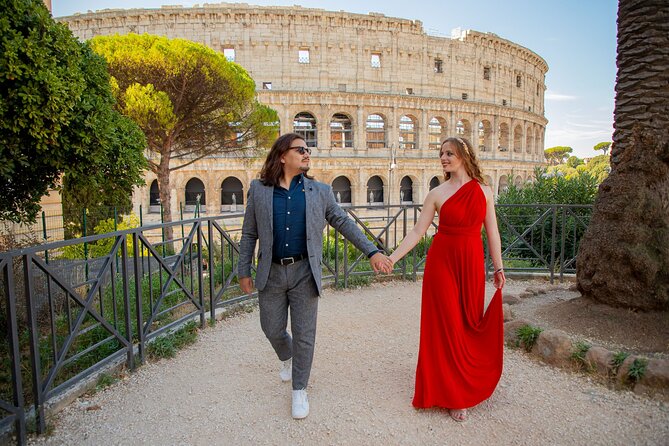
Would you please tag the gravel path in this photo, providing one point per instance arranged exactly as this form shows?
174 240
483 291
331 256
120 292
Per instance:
225 390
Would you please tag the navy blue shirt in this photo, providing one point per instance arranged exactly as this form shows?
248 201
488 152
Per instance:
289 218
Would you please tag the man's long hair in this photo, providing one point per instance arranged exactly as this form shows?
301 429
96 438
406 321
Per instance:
272 170
465 151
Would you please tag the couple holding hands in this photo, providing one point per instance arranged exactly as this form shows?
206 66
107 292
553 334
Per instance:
461 342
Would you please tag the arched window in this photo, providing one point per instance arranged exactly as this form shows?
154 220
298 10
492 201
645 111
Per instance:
529 142
341 131
518 182
376 132
305 126
485 136
434 182
154 194
463 129
517 139
154 197
341 187
503 137
503 184
408 134
375 190
436 132
406 190
195 189
232 194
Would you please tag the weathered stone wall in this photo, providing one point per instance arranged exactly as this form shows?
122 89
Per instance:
482 81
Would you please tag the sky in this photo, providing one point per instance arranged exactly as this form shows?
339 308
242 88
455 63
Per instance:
577 38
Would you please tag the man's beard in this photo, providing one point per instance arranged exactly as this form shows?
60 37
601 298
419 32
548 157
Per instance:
305 169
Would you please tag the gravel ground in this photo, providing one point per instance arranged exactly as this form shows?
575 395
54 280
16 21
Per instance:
225 390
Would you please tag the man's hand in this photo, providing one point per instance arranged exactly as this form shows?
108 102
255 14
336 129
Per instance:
381 263
246 284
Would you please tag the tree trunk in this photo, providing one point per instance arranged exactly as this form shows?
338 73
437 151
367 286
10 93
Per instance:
623 259
163 174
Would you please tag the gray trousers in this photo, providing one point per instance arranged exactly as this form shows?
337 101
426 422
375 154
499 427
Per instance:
291 287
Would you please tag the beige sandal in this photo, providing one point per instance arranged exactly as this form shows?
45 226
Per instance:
458 415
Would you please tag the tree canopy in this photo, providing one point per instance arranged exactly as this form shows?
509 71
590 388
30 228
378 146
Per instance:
187 98
603 146
56 111
558 154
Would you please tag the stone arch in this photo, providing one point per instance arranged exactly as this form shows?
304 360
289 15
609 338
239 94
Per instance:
375 131
374 190
518 181
436 132
503 184
463 128
341 188
517 139
341 131
434 182
406 190
529 142
408 138
195 187
305 125
232 194
485 136
503 137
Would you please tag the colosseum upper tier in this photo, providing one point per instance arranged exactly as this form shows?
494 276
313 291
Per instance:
373 95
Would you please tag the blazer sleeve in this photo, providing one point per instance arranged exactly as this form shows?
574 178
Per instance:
339 219
247 243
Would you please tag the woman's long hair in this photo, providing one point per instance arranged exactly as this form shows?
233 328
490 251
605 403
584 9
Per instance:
464 150
272 170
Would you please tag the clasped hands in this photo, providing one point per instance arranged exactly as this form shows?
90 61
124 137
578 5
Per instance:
381 263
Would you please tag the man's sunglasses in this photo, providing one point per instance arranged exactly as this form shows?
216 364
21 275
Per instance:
302 150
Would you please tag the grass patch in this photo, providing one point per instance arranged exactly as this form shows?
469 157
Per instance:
637 370
617 361
167 346
528 336
580 349
105 380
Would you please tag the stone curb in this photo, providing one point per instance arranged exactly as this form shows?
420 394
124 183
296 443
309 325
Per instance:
644 376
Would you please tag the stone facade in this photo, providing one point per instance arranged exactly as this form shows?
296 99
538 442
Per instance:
370 90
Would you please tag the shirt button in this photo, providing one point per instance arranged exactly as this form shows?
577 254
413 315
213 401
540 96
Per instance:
288 212
287 229
289 198
286 244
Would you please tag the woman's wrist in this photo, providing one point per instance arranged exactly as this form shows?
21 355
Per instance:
499 270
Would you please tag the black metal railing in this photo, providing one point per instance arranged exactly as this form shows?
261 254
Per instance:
71 309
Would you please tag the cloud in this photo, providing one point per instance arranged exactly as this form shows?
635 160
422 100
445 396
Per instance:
559 97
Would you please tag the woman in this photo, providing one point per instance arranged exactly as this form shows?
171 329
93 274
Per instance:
461 343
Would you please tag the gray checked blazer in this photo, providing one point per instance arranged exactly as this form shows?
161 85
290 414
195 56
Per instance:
320 207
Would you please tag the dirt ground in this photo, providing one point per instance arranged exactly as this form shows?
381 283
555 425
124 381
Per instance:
225 390
562 307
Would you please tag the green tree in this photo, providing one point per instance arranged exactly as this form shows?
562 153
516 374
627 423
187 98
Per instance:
54 118
188 99
574 161
603 146
557 155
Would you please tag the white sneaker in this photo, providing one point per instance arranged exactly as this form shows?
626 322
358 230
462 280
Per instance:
286 372
300 404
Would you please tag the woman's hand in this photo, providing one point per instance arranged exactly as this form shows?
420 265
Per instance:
499 279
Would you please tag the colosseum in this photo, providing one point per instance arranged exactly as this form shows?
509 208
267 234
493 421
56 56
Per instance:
373 95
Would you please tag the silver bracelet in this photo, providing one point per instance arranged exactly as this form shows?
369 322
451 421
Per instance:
499 271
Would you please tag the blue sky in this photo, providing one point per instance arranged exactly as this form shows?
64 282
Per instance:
577 38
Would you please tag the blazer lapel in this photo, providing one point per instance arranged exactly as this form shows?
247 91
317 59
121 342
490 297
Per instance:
267 203
308 202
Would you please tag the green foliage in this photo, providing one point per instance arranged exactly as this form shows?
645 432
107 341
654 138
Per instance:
558 154
168 345
105 380
637 370
580 349
603 146
189 101
103 247
528 336
56 109
574 161
599 167
617 361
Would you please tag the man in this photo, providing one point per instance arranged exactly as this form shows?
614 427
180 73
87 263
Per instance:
286 210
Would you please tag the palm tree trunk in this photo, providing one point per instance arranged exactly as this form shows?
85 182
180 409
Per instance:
623 259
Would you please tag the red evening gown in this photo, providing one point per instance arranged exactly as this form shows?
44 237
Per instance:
460 354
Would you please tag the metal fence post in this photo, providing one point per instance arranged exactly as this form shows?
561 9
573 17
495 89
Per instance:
84 234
